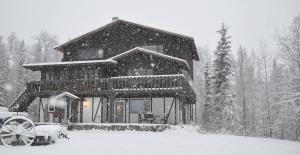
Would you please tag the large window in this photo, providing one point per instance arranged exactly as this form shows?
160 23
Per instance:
139 106
90 54
157 48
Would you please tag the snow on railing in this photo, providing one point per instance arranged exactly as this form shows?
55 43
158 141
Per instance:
120 83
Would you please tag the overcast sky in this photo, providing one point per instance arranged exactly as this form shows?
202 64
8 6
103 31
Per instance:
249 21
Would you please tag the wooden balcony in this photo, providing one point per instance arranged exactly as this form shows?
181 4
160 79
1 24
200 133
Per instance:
156 85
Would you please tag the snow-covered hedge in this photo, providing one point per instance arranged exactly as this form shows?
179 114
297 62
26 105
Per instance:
52 131
121 127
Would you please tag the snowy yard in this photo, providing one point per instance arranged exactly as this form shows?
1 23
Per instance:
175 142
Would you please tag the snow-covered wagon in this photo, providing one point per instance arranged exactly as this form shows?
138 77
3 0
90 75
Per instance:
16 129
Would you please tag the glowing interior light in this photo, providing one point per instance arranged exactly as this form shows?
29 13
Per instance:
86 104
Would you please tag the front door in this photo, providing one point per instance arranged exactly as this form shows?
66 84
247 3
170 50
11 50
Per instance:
119 111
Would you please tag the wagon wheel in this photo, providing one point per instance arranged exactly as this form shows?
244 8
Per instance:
18 131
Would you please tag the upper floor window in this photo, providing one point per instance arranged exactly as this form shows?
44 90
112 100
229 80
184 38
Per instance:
100 53
157 48
140 72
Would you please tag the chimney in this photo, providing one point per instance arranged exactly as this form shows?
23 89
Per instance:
114 18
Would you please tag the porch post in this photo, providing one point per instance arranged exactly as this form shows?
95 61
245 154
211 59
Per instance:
164 108
151 103
93 109
112 109
107 110
128 110
190 119
175 110
195 112
125 110
102 97
179 110
40 101
183 111
81 111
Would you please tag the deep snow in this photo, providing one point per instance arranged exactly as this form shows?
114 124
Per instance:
174 141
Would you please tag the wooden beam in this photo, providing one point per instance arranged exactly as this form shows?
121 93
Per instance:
175 110
125 110
40 102
102 110
164 109
151 104
81 110
92 109
107 111
112 109
129 110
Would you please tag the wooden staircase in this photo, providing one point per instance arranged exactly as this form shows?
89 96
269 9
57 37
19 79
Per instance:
22 101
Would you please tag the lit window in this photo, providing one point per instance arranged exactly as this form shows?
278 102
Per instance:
100 53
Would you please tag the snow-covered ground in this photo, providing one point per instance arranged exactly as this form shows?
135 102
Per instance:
174 142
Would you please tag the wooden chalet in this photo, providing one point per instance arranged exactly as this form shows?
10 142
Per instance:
122 72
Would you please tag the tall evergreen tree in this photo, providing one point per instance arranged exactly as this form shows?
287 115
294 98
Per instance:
242 84
20 59
3 59
207 109
224 108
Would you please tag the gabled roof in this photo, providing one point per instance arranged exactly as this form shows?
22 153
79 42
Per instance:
68 95
115 22
36 66
139 49
194 51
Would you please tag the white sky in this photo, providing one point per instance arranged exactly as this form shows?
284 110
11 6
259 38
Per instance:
249 21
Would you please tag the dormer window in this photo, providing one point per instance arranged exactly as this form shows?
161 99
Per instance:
100 53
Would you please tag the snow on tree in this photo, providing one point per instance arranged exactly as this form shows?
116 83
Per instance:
242 84
224 108
289 44
207 109
44 47
3 59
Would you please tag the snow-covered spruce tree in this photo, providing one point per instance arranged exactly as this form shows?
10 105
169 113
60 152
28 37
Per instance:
288 42
3 59
207 109
242 82
224 108
20 59
278 85
47 42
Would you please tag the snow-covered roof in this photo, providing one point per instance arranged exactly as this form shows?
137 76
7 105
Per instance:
150 52
147 76
68 63
118 21
67 94
112 60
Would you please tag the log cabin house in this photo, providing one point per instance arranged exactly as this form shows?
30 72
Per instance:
122 72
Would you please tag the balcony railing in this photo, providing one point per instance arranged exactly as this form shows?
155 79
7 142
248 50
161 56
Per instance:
175 82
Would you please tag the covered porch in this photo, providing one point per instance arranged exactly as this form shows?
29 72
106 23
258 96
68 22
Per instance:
118 109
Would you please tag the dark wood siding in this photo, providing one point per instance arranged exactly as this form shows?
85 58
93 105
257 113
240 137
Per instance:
121 37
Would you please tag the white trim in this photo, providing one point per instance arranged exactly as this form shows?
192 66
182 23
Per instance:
67 94
150 52
69 63
147 76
